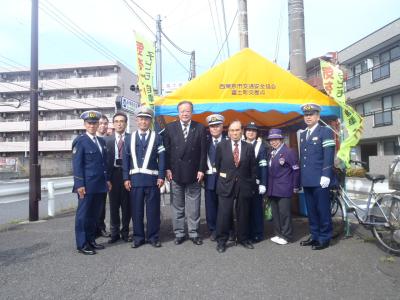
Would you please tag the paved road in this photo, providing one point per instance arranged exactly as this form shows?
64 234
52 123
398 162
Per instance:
38 261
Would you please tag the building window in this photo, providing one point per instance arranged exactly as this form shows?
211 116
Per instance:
353 83
383 118
360 108
381 72
391 147
387 102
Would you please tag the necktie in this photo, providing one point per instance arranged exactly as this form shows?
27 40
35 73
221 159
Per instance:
97 143
143 138
273 153
185 131
308 134
215 143
236 154
120 146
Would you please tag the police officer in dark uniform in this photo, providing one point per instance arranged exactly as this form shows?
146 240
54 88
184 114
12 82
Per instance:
143 174
215 124
317 150
91 182
256 226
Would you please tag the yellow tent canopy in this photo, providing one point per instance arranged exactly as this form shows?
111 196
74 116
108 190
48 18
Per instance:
247 87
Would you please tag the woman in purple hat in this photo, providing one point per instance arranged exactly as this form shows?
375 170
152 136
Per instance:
283 181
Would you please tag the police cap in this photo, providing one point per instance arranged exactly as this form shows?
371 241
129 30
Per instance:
215 119
91 116
252 126
144 111
310 108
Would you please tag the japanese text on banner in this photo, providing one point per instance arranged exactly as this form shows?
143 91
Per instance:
332 78
145 52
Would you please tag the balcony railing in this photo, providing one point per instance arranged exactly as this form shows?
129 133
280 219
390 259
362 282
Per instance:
381 72
353 83
383 118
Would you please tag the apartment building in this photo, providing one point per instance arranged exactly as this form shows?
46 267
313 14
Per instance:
65 91
372 67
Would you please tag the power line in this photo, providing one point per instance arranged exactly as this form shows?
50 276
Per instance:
226 32
142 9
176 59
57 15
175 45
137 15
278 35
217 17
213 23
233 21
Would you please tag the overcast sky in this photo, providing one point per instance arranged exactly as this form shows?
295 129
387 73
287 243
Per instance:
329 26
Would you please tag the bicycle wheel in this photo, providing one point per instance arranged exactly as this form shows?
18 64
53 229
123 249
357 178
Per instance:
387 211
337 215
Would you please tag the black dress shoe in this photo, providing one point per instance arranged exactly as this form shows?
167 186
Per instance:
105 233
156 244
221 247
308 242
127 239
114 239
197 240
137 244
86 250
94 245
247 244
232 237
179 240
256 240
320 246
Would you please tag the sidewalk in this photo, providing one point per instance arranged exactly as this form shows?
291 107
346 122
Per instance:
39 261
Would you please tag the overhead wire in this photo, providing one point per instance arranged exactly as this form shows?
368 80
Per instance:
226 30
233 21
213 23
140 19
143 10
53 12
217 17
278 35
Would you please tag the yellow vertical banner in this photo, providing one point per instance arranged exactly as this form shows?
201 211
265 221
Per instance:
332 78
145 62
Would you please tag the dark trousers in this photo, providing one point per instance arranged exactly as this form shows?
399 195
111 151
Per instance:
139 197
225 216
282 217
119 198
319 213
101 225
211 201
256 218
86 218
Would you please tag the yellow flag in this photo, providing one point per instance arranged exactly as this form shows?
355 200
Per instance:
332 78
145 62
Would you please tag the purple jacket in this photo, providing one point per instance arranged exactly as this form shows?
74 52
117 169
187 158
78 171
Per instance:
283 173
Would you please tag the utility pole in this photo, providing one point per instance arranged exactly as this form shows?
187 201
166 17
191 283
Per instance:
158 56
243 28
297 48
192 65
34 167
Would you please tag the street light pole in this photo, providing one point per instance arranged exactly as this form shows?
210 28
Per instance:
34 167
243 27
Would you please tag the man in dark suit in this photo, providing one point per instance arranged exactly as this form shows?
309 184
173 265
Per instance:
144 173
119 196
317 152
256 206
237 169
185 144
91 181
101 225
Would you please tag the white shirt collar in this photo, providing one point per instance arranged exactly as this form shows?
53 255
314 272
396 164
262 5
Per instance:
218 139
146 132
188 124
119 135
90 135
312 128
279 148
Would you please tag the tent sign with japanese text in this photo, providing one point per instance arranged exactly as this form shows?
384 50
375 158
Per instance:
332 78
145 62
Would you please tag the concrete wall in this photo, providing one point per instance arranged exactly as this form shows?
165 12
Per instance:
380 164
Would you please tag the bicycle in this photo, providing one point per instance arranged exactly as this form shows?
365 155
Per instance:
381 214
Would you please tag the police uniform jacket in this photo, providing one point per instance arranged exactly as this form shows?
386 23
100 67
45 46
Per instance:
283 173
185 159
89 164
317 156
261 160
243 177
143 176
211 177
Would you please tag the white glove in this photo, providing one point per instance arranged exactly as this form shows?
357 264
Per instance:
324 182
262 189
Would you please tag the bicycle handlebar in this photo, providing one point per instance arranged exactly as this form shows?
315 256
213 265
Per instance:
358 162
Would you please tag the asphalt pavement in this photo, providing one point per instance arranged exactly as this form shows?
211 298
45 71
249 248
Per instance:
39 261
